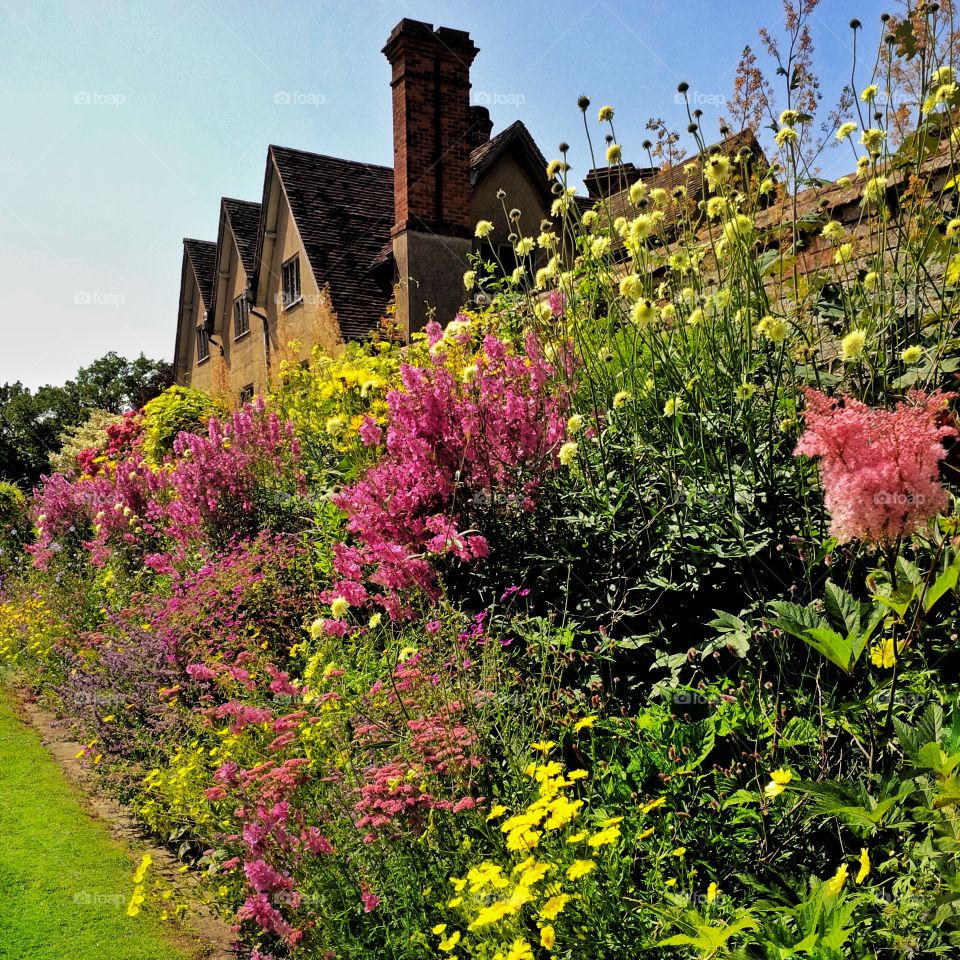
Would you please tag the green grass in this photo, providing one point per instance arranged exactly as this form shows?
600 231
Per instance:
64 882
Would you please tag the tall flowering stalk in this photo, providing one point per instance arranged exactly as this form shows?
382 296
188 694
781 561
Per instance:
452 443
880 467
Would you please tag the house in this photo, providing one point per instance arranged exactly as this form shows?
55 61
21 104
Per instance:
335 245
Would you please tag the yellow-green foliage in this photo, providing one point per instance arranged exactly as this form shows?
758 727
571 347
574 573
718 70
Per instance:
176 410
13 505
89 435
328 400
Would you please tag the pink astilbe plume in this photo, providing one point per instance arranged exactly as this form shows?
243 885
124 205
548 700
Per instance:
880 467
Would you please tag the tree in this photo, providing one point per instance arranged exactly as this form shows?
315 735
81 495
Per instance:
32 422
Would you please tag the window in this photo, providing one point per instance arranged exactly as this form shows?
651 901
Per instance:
246 393
203 343
241 317
290 276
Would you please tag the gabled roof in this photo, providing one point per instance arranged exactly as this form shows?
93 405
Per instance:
244 219
515 137
203 256
344 212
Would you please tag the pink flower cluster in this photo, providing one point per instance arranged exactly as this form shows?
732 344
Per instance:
205 492
451 445
880 468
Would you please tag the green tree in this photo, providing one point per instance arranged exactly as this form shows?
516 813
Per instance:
32 422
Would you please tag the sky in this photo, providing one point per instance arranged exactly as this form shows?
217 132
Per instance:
123 123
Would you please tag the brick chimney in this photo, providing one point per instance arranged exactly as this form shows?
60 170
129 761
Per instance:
433 133
481 126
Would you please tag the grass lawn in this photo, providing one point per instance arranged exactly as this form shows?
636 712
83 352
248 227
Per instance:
64 882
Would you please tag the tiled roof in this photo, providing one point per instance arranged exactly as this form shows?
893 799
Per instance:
344 212
203 255
675 176
245 224
484 156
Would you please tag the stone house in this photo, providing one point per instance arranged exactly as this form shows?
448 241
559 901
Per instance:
334 245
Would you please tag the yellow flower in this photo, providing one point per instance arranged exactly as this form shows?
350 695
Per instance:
543 746
339 608
554 906
884 653
778 781
717 170
548 937
835 884
679 851
520 950
568 453
646 833
497 810
671 407
524 246
852 346
604 837
484 228
523 839
469 279
874 190
653 804
712 891
439 928
870 280
600 246
577 837
872 139
844 254
775 330
577 775
606 113
832 231
637 192
672 882
846 129
785 135
631 287
643 312
869 93
912 354
953 228
614 153
447 945
580 868
588 721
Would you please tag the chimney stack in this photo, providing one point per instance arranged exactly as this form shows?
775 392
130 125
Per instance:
433 134
481 126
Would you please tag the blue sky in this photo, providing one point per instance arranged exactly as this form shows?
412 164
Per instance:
125 122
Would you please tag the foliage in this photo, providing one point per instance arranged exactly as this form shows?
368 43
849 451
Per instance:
166 416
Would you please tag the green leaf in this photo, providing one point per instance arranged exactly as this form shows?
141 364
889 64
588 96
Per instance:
842 609
946 581
900 599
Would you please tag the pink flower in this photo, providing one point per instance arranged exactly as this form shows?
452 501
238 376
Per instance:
369 900
880 467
